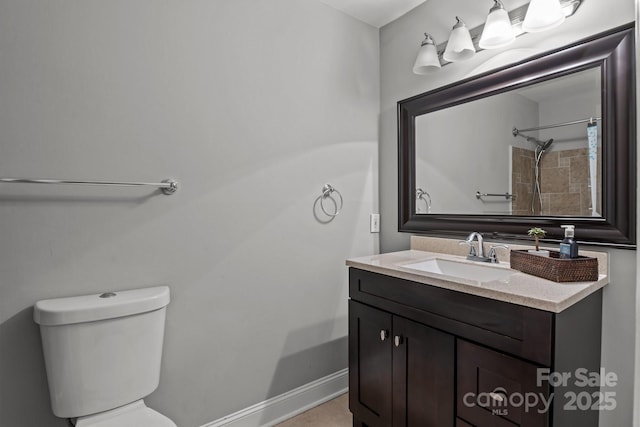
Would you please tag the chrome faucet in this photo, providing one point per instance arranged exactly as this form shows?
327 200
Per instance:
473 254
479 254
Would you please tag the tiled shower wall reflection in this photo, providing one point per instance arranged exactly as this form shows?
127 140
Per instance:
564 182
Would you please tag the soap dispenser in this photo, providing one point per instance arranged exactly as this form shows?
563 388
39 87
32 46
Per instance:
568 247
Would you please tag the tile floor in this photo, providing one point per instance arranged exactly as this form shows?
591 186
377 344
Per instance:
334 413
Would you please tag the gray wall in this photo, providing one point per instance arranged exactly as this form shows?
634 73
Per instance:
399 42
565 109
253 106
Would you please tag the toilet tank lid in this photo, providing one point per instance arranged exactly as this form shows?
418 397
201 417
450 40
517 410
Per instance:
109 305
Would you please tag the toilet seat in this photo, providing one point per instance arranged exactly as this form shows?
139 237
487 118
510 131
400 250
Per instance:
135 414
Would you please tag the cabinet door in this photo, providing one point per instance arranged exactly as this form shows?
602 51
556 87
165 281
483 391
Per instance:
497 390
423 376
370 365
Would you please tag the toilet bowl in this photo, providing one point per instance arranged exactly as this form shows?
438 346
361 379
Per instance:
135 414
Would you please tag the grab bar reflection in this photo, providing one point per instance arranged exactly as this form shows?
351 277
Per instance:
507 196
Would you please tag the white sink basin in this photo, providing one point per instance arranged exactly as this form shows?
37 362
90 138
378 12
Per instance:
461 270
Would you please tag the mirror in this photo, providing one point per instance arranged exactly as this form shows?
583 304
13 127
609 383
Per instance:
535 150
543 142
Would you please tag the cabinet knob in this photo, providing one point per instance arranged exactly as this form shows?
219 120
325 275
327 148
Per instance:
384 334
397 340
496 396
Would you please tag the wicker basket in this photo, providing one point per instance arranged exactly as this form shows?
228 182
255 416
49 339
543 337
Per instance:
581 269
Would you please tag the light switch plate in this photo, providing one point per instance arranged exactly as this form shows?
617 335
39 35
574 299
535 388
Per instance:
374 223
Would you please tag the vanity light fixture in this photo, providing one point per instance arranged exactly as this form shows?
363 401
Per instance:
460 46
543 15
497 31
427 59
538 15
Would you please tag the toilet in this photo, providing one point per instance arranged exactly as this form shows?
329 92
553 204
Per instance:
102 354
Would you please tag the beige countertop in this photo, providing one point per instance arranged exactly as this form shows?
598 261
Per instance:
517 288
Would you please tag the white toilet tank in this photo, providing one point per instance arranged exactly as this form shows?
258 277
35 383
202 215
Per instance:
102 351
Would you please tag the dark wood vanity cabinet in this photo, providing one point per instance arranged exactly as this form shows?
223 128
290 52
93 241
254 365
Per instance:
487 382
423 356
405 372
370 351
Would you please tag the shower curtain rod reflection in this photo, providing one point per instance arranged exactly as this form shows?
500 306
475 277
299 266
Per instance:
167 186
516 131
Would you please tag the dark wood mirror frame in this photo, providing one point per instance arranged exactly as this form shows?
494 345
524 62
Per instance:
614 53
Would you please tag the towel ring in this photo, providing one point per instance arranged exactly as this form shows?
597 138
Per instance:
326 192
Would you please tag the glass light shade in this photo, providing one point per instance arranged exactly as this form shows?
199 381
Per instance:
460 46
543 15
427 59
497 30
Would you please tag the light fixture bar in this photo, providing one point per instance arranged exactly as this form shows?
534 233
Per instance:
517 17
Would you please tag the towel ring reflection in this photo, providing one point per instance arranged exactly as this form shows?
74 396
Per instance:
326 192
425 197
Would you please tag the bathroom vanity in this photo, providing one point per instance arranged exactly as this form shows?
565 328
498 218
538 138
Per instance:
441 349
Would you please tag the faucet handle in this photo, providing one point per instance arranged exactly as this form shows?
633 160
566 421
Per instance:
492 252
472 249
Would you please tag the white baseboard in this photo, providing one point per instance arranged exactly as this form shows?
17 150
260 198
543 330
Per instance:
280 408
